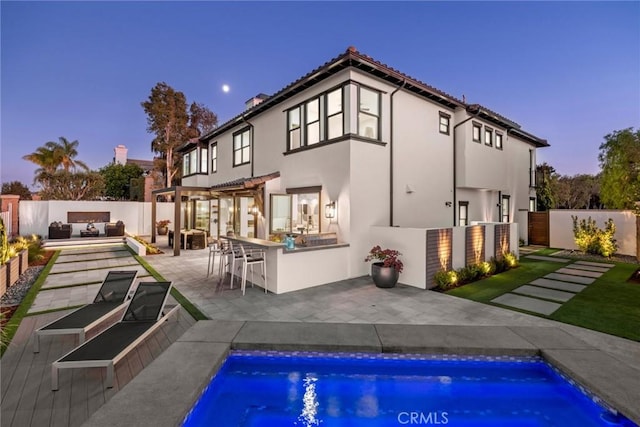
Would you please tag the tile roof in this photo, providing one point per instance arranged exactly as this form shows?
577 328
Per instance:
353 58
245 183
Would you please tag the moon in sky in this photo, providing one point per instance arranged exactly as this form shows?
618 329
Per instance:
225 88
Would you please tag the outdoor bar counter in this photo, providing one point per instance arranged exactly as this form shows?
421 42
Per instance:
302 267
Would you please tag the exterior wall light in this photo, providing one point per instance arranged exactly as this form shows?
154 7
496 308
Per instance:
330 210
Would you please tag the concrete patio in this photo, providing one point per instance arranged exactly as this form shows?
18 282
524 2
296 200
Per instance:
352 315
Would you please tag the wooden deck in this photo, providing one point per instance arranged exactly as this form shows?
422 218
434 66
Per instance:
25 377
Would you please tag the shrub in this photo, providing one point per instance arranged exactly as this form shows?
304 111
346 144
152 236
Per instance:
591 239
511 259
33 243
445 279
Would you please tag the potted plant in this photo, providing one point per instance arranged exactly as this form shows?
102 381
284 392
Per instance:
387 267
161 227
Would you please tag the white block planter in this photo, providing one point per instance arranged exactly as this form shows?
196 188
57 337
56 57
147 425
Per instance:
138 247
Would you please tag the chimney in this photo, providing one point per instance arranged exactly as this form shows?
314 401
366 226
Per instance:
252 102
120 155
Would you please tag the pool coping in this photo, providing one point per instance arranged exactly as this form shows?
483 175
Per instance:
164 392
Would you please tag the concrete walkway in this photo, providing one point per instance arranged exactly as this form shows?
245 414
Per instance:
547 294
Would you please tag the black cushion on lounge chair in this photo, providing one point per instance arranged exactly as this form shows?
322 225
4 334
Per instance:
83 316
116 286
109 343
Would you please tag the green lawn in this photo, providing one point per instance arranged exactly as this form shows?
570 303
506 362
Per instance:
610 304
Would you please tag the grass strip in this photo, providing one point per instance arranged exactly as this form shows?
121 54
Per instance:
93 259
182 300
12 326
92 269
53 310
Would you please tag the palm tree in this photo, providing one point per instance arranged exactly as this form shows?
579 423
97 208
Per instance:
66 151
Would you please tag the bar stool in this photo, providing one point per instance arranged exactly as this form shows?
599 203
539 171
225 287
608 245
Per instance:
215 249
251 258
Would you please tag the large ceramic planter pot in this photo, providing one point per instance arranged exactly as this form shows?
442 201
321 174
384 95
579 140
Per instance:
162 231
384 277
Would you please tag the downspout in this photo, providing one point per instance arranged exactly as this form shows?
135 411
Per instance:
404 81
455 181
250 141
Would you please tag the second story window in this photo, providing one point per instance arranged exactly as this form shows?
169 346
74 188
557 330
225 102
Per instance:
369 113
477 131
498 141
488 136
204 155
312 121
214 157
190 162
293 126
242 147
444 123
335 121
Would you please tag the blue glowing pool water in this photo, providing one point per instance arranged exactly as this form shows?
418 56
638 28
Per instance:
310 389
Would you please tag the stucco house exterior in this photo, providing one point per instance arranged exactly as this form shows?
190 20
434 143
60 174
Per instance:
354 144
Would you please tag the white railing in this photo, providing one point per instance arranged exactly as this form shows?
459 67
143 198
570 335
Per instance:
6 219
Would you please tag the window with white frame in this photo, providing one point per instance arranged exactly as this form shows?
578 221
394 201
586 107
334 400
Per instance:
498 140
444 123
242 147
369 113
335 116
204 162
214 157
294 130
488 136
190 162
312 121
477 132
463 214
505 208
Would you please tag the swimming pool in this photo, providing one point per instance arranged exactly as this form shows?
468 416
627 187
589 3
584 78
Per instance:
313 389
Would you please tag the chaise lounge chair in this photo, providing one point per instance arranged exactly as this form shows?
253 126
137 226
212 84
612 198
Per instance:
111 298
142 317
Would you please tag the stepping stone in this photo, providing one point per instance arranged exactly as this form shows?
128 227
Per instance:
576 272
526 303
595 264
547 258
570 278
588 268
555 284
546 293
87 276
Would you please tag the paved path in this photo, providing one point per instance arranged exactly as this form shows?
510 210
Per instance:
547 294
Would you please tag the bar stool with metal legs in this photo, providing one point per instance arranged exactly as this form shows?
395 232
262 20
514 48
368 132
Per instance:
215 249
255 256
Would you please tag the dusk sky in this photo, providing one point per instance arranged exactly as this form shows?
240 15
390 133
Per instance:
567 72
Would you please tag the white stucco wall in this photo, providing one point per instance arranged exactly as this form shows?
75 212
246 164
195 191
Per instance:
301 270
423 164
561 227
411 243
35 216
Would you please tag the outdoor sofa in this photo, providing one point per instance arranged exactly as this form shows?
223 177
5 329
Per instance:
114 229
58 230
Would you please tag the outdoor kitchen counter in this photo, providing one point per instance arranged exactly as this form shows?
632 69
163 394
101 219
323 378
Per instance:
302 267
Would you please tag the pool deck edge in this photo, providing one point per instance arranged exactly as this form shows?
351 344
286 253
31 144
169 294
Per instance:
163 393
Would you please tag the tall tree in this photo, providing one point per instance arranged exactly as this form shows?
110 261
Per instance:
173 125
66 152
620 162
544 194
117 179
167 118
16 187
201 120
